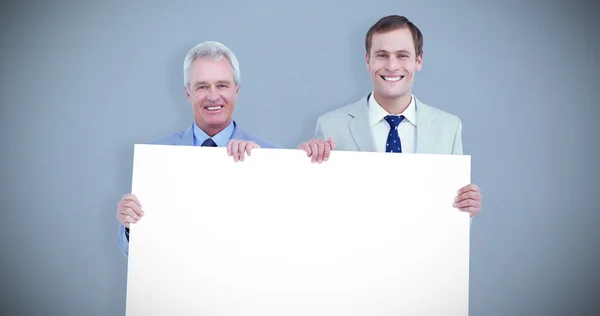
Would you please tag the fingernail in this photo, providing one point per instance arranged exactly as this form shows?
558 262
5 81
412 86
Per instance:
453 204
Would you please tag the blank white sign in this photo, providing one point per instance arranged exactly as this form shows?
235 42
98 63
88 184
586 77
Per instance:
360 234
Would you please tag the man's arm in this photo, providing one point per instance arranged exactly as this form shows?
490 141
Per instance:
320 132
457 148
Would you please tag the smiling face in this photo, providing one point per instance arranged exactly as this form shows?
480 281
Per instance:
392 62
212 92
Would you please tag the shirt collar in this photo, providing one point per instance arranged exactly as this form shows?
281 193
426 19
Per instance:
377 113
221 139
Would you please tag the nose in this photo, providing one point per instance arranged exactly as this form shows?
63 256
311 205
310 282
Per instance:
392 64
213 95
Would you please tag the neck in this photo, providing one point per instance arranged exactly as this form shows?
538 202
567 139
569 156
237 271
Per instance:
213 130
396 105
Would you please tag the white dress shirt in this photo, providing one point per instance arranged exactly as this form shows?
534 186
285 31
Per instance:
407 130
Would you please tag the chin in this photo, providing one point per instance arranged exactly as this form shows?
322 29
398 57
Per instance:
391 94
216 121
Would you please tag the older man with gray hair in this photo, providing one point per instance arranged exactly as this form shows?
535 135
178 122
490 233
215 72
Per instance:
211 75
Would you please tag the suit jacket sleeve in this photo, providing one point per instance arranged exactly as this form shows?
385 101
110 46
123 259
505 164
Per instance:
320 132
457 148
123 240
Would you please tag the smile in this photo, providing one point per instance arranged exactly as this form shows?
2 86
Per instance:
213 108
396 78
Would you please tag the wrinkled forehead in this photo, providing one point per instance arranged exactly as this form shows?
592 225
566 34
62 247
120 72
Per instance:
206 70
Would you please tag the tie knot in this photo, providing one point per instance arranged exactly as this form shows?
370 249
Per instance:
209 143
394 120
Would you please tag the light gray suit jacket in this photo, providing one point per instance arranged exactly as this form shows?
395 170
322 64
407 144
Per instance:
438 132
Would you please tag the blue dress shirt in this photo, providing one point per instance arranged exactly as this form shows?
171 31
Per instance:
221 139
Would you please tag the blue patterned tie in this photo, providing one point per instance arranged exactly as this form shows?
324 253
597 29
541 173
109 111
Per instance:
209 143
393 144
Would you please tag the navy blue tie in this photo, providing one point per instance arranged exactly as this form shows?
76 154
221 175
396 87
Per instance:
393 144
209 143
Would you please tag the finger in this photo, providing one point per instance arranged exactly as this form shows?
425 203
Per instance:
463 189
134 208
327 151
229 145
471 210
131 220
135 199
252 146
466 209
131 197
468 195
242 150
125 219
321 147
306 148
331 143
234 150
315 152
468 187
130 213
467 203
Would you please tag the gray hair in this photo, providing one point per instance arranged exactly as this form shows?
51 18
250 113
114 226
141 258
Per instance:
213 51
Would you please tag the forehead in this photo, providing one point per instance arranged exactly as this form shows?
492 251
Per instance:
211 70
392 41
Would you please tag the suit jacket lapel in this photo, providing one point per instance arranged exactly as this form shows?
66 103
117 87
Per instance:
187 138
426 129
238 133
359 126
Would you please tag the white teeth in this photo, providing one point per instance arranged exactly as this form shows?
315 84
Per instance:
213 108
392 78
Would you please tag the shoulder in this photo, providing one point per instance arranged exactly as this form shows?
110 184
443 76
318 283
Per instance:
169 139
441 117
242 135
339 113
265 143
346 112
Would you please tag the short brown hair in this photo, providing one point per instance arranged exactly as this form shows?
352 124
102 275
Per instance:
392 23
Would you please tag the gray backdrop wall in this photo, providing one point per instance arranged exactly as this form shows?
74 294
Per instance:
82 82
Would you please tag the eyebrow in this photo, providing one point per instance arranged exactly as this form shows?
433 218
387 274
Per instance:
398 51
206 82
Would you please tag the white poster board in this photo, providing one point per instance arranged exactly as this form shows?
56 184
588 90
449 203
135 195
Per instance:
361 234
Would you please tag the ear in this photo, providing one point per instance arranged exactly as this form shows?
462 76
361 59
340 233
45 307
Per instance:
367 61
188 96
419 62
237 89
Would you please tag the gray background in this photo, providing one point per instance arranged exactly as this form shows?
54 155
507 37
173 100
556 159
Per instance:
81 83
